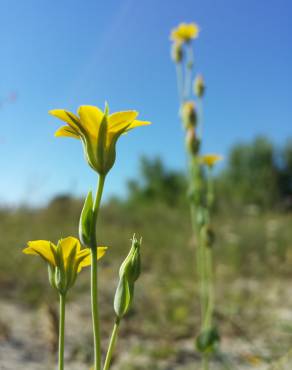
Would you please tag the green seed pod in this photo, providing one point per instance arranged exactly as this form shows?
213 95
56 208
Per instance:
208 340
177 52
86 223
129 272
189 114
199 86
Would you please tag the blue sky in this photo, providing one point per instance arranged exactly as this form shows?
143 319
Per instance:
62 54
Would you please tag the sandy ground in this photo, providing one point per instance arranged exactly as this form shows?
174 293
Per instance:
27 337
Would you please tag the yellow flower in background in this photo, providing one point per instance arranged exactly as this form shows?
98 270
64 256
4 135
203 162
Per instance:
185 32
98 132
210 159
65 259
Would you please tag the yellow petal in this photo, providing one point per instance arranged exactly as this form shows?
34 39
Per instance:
67 131
87 260
90 118
83 253
68 117
137 123
119 120
210 159
41 248
185 32
67 245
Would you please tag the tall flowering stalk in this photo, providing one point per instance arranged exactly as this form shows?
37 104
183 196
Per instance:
99 131
200 188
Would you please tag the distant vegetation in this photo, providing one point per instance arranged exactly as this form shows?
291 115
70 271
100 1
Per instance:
255 180
256 173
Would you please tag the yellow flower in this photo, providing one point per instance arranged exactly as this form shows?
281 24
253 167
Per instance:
185 32
65 259
98 132
210 159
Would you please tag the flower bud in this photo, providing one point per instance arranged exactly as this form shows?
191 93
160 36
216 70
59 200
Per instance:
192 142
129 273
189 114
86 224
177 52
208 340
199 86
207 235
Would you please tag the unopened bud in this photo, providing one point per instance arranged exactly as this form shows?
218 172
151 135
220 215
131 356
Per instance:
177 52
207 235
208 340
189 114
86 223
192 142
129 273
199 86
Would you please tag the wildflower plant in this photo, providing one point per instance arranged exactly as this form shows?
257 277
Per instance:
200 179
65 260
98 131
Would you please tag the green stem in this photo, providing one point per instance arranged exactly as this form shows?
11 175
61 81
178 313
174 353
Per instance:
204 278
62 330
180 82
205 362
112 344
188 72
209 256
210 190
210 287
94 279
201 118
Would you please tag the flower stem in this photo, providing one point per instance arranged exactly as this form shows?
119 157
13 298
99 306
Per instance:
112 344
180 82
94 279
188 72
205 362
62 330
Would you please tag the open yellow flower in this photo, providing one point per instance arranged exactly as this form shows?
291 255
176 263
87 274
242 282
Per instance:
210 159
98 132
185 32
65 259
